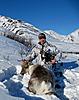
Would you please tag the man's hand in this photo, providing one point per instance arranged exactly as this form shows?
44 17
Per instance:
53 61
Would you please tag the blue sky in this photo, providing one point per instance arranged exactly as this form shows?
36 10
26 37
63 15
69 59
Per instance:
61 16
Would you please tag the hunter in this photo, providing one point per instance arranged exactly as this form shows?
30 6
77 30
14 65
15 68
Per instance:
44 53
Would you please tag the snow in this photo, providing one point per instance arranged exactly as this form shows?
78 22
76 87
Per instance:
73 37
55 35
13 86
70 38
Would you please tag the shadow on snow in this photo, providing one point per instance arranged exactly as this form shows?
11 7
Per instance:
15 88
59 70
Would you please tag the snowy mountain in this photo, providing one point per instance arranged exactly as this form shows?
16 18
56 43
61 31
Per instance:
21 28
16 25
73 37
55 35
12 85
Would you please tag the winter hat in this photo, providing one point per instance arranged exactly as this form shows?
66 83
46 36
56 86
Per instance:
41 35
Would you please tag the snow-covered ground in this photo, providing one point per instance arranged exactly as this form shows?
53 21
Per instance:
14 87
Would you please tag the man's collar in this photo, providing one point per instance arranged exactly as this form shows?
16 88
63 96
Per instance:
40 43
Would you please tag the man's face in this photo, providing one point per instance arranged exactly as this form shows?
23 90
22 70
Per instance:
42 40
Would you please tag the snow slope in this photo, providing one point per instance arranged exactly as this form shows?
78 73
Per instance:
70 38
25 29
12 85
55 35
73 37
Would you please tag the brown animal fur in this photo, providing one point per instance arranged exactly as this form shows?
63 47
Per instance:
41 79
39 75
25 66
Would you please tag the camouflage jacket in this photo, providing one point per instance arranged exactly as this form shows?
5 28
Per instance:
38 52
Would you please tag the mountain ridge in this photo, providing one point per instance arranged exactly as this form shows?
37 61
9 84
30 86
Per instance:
19 26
